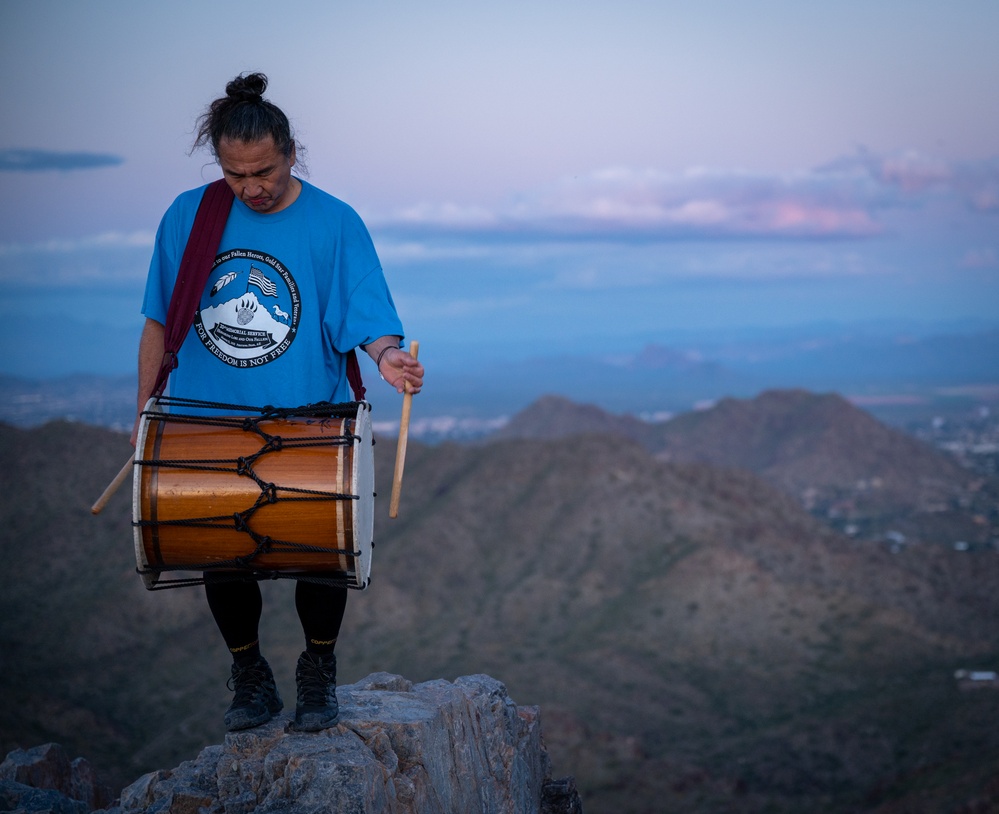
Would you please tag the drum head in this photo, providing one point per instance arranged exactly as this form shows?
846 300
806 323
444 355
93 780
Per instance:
363 485
149 577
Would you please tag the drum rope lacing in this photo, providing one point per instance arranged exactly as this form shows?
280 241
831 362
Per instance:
269 492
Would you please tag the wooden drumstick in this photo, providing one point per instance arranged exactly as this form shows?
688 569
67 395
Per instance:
119 479
400 450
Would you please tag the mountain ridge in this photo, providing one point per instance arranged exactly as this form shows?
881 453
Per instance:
837 459
903 364
695 638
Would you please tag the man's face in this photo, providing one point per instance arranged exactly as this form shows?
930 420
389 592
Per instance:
258 173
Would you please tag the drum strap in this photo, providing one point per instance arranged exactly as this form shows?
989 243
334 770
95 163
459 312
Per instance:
195 266
354 376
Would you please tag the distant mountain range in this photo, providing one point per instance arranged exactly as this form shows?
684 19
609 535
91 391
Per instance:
104 401
465 399
663 379
696 638
840 462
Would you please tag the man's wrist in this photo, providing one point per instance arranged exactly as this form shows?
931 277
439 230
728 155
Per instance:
382 352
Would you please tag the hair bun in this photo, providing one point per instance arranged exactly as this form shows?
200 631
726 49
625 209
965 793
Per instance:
243 114
247 87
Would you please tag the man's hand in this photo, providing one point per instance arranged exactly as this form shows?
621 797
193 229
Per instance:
395 365
402 371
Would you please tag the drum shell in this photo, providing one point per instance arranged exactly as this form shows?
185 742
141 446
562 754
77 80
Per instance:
188 492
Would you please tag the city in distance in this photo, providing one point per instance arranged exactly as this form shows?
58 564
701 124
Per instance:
901 372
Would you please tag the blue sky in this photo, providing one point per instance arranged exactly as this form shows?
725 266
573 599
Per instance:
537 176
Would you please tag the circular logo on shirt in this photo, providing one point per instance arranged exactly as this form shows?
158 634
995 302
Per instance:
250 309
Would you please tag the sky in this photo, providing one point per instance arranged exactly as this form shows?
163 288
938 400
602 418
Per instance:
538 177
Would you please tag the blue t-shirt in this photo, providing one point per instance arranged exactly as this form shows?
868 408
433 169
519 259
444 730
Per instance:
288 295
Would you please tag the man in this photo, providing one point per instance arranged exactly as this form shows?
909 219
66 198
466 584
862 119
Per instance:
296 284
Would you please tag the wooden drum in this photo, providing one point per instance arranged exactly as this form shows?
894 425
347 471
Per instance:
273 493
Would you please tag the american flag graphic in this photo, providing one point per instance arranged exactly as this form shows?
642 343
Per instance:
258 279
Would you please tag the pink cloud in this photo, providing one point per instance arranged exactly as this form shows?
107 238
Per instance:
980 259
912 172
792 216
846 198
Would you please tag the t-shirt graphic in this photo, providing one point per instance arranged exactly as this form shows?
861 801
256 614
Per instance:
250 309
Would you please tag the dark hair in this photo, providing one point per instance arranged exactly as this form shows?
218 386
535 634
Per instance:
244 115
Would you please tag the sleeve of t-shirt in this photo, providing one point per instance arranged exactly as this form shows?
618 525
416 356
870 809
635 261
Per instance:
367 309
370 313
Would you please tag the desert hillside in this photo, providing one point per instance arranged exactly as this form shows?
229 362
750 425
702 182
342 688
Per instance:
845 467
696 639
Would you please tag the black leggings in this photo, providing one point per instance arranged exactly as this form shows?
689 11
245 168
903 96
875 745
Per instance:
237 606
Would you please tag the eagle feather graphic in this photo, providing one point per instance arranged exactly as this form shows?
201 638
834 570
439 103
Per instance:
223 281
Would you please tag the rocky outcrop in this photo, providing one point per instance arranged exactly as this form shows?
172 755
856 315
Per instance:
400 748
45 779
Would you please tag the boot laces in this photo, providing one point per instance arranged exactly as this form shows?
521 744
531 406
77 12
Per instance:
315 679
249 682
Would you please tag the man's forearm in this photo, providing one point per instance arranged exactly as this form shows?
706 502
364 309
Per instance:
151 347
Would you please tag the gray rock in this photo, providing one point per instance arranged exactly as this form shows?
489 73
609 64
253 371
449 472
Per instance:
61 784
399 748
17 797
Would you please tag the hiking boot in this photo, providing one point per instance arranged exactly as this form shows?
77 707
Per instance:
317 705
256 700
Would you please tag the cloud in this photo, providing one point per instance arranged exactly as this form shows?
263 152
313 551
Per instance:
108 241
107 259
910 176
846 198
979 185
980 259
906 171
640 208
715 203
42 160
410 251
